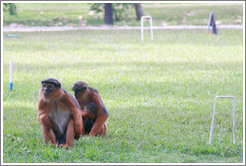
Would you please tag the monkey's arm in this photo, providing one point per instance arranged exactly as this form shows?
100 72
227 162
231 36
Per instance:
42 114
78 123
44 119
101 116
76 115
89 115
46 123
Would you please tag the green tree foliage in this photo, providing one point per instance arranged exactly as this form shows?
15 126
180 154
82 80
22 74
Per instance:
119 9
11 7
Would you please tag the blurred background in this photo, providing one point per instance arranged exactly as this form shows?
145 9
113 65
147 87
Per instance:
122 14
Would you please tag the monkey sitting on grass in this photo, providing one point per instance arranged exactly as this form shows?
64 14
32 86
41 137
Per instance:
94 112
59 114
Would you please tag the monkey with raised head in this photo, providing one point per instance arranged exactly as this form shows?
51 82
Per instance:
94 112
59 114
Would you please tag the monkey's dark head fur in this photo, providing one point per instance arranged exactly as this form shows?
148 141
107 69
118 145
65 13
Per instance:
52 81
51 89
79 86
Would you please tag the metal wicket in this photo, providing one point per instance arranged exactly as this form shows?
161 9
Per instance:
212 125
142 28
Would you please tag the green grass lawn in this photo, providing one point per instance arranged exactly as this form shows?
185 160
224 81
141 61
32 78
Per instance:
49 14
159 94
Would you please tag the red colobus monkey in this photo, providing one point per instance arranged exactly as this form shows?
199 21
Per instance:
94 112
59 114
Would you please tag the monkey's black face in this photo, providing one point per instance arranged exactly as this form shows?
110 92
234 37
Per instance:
47 89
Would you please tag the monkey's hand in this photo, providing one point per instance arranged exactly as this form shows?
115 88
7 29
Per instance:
77 131
96 131
98 125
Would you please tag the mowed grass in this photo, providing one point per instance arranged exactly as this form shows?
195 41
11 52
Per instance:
49 14
159 94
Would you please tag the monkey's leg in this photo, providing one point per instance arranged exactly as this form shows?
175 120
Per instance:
78 124
101 116
70 135
48 135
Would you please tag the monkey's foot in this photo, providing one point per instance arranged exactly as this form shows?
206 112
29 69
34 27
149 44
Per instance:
101 132
105 130
65 146
55 144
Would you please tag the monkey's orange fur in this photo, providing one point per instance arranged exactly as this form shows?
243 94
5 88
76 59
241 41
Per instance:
91 95
59 101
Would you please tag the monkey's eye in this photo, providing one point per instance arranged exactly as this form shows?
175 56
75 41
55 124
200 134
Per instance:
80 89
50 86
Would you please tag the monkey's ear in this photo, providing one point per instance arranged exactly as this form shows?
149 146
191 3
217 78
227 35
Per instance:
52 81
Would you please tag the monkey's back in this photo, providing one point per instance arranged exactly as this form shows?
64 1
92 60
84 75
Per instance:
104 109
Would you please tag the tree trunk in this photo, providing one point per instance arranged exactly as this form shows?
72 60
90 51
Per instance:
139 10
108 14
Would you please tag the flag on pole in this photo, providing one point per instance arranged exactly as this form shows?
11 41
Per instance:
212 24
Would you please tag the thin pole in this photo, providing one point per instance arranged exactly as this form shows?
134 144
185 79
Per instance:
142 28
151 28
212 124
234 119
11 76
